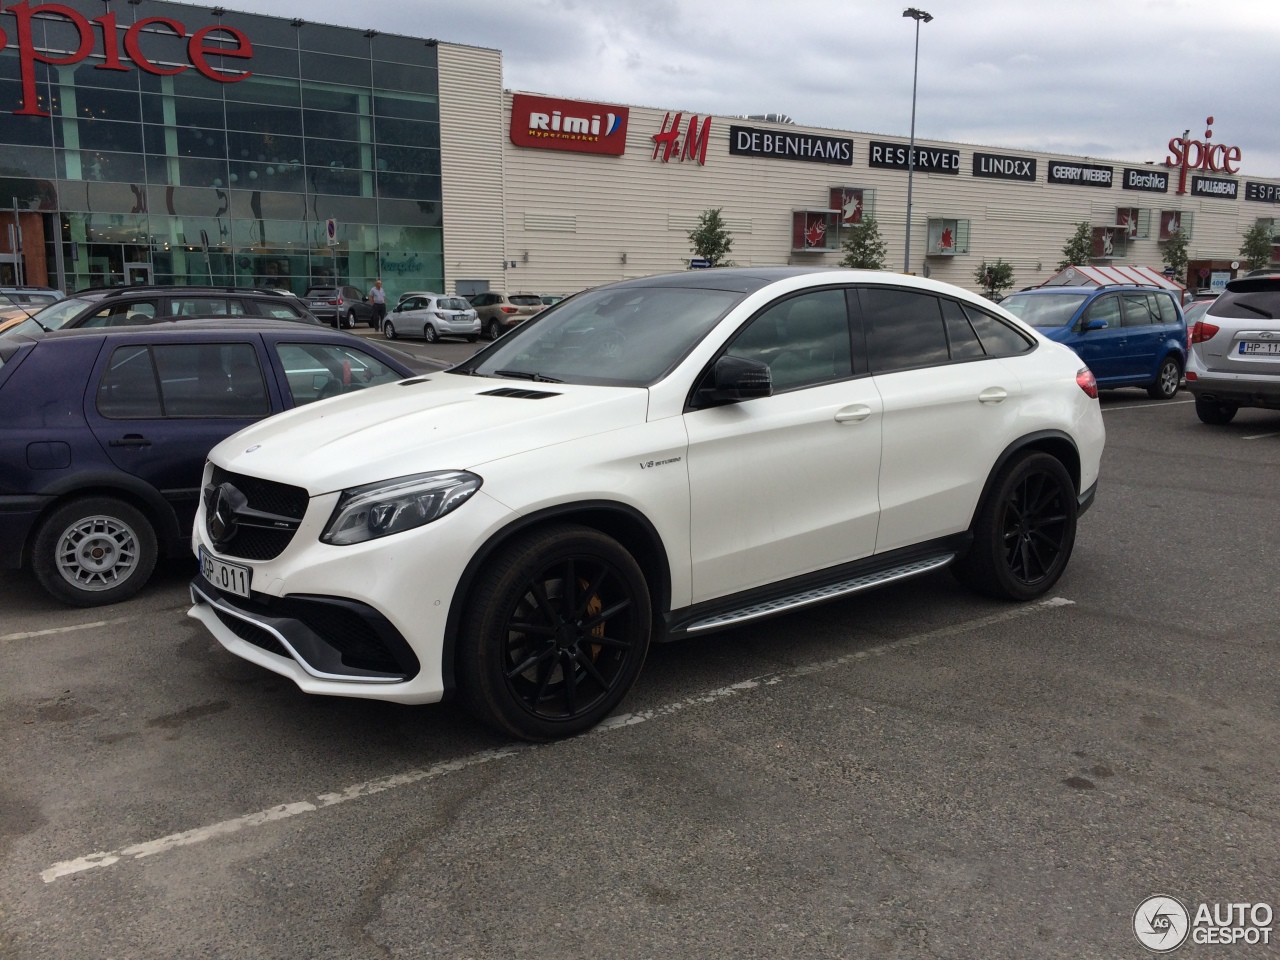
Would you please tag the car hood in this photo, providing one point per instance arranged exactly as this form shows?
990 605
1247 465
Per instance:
445 422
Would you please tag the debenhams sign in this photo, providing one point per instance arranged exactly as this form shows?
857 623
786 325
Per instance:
783 145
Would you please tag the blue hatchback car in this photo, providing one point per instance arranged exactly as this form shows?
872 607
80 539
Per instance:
104 434
1128 336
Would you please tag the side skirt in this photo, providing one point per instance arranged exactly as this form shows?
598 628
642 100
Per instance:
819 587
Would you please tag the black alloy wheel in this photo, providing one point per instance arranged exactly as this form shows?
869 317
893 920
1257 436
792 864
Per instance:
1024 531
556 633
429 334
1215 414
1167 380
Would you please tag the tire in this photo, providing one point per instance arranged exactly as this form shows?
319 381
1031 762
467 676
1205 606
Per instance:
94 552
351 321
429 334
494 330
1217 414
1015 560
1165 385
389 330
544 603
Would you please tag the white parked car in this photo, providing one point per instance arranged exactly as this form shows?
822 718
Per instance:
432 316
652 459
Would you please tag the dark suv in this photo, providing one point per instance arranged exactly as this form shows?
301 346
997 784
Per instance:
341 307
135 306
104 434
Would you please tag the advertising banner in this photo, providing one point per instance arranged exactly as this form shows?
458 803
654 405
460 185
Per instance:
579 126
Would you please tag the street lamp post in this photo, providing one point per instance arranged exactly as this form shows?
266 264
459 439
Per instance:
917 16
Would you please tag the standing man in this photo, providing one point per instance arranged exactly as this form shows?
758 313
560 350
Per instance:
378 297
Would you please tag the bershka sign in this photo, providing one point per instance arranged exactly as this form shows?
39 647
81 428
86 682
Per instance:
1080 174
1214 187
117 52
1187 154
575 125
1262 192
897 156
692 146
1153 181
1004 168
779 145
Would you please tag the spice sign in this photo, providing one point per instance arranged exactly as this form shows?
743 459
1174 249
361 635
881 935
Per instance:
1187 154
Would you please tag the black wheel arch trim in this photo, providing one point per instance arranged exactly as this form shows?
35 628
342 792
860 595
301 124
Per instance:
655 566
1043 440
125 486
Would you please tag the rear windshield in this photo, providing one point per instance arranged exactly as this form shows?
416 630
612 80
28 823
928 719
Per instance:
1044 309
1264 304
526 301
453 303
321 292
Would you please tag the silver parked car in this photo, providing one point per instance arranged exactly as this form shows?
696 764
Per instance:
432 316
1235 350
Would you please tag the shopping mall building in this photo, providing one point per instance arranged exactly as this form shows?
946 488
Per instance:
146 141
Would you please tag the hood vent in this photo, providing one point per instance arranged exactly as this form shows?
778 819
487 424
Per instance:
409 383
517 394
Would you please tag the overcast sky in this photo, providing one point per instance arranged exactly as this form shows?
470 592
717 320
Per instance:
1106 78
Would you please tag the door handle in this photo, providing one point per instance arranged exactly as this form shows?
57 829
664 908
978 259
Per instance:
993 395
854 414
131 440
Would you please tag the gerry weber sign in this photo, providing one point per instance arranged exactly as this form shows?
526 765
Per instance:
1080 174
897 156
201 44
750 142
574 125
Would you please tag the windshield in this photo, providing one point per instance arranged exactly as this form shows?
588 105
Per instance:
615 336
1247 305
526 301
1044 309
55 316
453 303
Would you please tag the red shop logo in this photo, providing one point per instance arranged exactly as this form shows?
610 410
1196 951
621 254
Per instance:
198 48
668 144
1201 155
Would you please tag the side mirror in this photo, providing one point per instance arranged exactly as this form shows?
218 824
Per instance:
736 378
1095 325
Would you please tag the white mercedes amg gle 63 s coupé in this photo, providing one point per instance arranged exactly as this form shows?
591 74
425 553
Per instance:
646 460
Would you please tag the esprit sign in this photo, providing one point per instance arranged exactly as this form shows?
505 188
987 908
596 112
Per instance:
1188 154
200 46
575 125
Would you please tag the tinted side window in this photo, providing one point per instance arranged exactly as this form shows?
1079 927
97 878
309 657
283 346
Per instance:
1137 310
1104 308
128 389
279 311
804 340
1167 308
998 338
960 336
123 314
904 329
316 371
211 380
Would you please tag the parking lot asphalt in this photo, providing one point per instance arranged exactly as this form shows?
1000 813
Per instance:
916 772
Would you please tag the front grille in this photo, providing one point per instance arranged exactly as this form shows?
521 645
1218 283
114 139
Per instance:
344 630
252 634
256 542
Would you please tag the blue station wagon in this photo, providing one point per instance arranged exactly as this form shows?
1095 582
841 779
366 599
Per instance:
1129 336
104 434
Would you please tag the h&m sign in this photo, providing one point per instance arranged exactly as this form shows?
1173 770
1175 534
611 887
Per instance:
201 44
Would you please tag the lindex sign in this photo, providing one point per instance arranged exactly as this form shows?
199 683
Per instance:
119 53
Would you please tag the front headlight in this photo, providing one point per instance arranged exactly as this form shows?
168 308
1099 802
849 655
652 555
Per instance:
393 506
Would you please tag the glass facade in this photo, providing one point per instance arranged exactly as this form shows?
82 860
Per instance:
149 170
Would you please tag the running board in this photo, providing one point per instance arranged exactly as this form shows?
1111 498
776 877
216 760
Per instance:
831 591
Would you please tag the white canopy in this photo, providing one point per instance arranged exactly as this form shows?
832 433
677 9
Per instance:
1106 276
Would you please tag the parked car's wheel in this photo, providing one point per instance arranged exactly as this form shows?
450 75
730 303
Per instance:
1166 383
495 330
1023 532
555 633
94 551
1217 414
389 330
429 334
349 322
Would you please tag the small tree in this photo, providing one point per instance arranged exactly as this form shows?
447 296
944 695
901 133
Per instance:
711 239
994 277
1175 255
1255 252
863 247
1078 250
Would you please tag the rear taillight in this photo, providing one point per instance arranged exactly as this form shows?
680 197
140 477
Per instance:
336 303
1088 383
1190 375
1203 331
510 310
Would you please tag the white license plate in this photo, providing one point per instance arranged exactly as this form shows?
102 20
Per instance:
1267 348
231 577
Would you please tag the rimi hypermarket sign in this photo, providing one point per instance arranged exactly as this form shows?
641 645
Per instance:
117 52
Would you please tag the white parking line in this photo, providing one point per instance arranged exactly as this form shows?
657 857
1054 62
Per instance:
52 630
1144 406
1262 436
357 791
